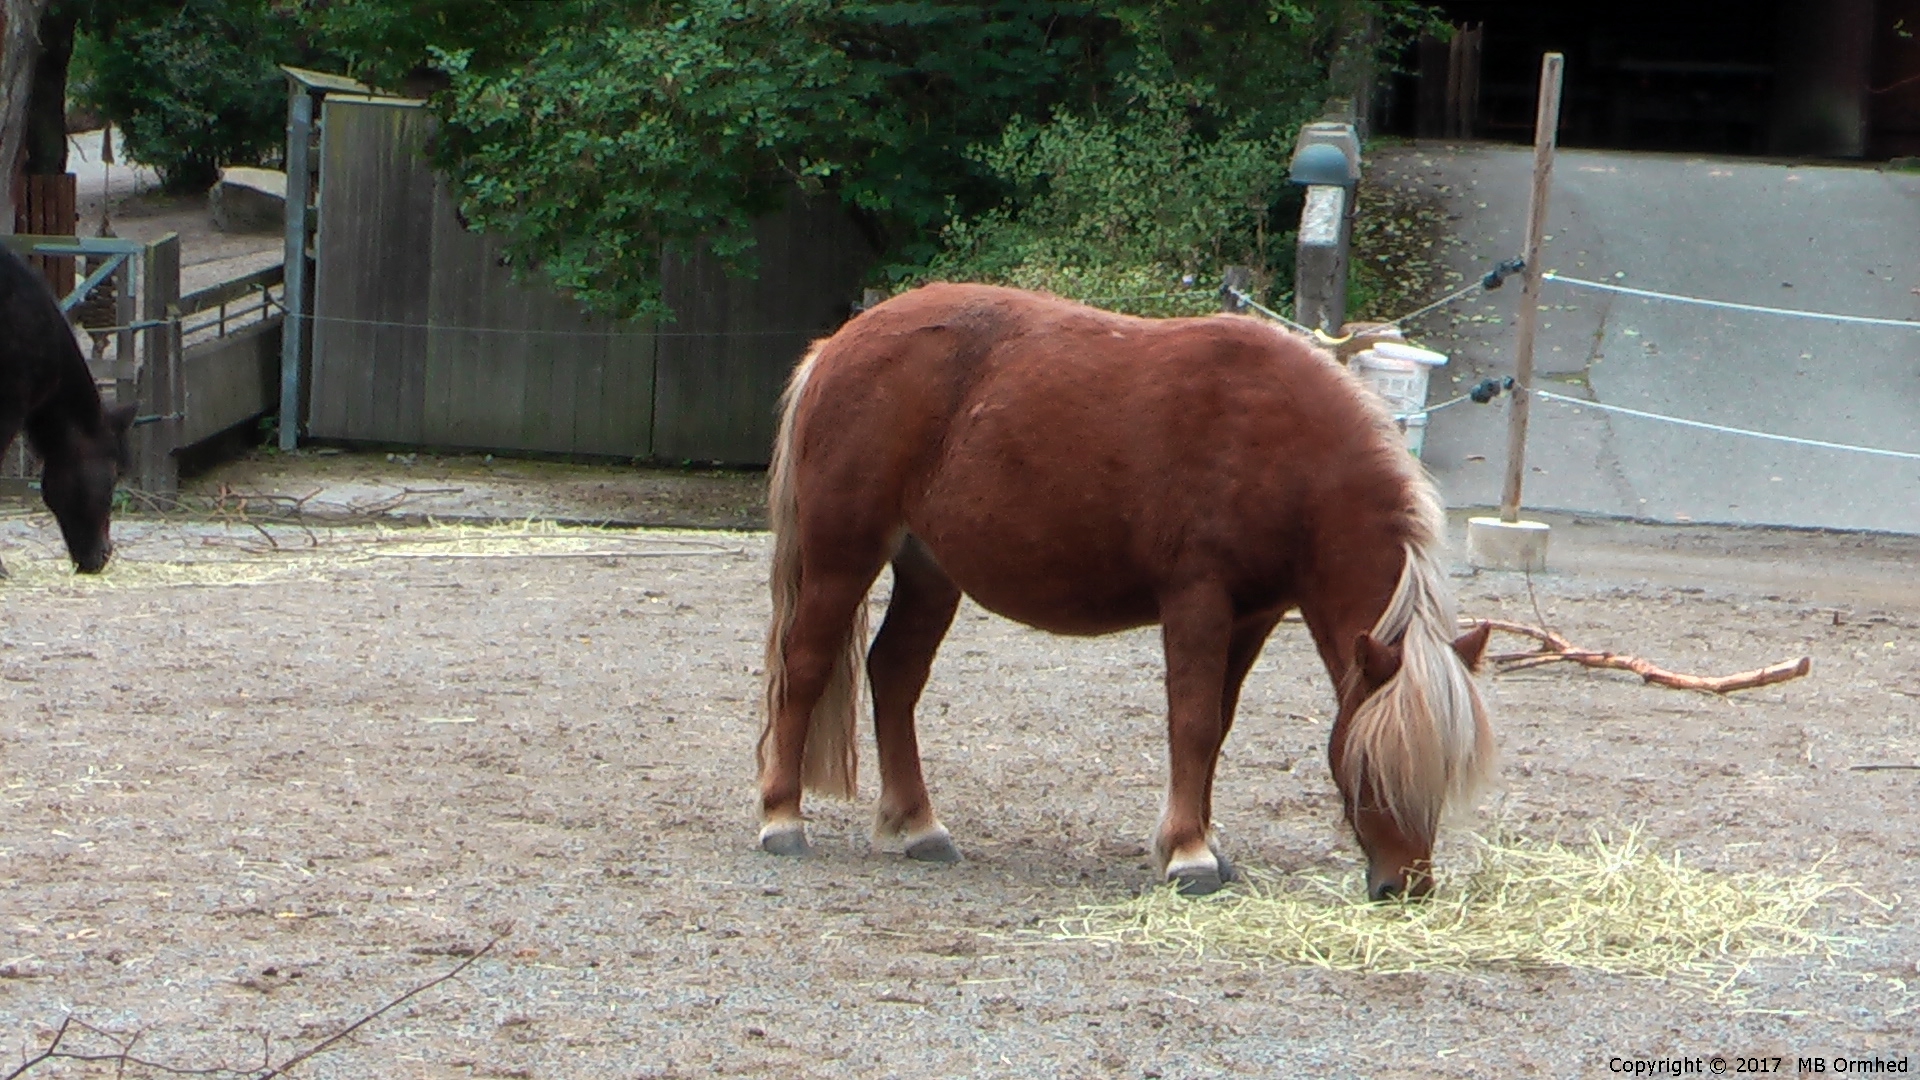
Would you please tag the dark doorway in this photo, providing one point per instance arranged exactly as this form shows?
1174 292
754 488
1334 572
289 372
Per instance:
1785 77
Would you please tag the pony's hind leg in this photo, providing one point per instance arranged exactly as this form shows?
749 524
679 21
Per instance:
924 600
813 699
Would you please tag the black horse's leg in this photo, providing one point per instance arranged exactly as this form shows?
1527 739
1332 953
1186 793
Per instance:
12 418
918 615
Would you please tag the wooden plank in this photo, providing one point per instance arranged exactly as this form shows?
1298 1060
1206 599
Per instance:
722 365
515 366
372 268
472 389
230 381
1435 81
45 204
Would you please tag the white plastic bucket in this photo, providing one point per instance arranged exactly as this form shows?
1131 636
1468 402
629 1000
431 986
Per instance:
1399 374
1403 383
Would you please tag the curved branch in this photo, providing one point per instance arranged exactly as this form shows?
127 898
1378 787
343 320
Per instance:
1557 648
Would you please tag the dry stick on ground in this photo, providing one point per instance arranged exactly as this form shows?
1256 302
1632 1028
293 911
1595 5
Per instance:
287 1066
1559 649
124 1056
120 1058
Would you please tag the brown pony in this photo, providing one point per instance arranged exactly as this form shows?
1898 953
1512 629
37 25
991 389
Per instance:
1084 472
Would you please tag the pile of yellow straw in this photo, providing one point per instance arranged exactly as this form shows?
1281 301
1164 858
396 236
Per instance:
1609 905
247 555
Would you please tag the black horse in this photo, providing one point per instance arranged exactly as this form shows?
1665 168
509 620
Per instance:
46 389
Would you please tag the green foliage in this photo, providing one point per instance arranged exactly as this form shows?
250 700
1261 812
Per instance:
1122 208
192 84
386 41
672 126
609 147
1117 145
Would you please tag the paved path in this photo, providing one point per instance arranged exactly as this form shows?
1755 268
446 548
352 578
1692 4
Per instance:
1821 238
140 212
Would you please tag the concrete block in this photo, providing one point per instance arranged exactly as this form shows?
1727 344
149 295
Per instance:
249 200
1493 544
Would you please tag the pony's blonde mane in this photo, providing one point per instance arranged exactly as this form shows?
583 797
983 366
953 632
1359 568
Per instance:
831 762
1421 742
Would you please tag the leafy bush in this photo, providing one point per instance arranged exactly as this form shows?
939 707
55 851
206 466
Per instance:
1123 206
192 86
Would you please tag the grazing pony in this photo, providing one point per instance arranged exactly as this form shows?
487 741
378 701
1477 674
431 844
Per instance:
46 389
1083 473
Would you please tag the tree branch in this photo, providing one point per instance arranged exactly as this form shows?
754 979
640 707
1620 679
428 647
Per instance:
1557 648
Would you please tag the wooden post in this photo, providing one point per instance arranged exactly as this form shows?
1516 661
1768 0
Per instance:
1320 260
1546 123
126 308
1235 277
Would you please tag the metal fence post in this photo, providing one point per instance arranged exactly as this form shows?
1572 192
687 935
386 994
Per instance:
293 353
156 470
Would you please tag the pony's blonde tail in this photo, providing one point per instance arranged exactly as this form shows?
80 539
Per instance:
831 762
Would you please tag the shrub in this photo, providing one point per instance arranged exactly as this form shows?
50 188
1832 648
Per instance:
192 86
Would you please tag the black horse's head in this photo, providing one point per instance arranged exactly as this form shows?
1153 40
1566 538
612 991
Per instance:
78 487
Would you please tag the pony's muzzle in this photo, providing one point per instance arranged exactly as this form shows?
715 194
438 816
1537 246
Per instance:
1412 886
93 562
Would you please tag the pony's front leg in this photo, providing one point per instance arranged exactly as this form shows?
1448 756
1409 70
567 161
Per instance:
1197 632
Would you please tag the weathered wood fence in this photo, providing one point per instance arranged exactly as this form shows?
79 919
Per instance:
423 337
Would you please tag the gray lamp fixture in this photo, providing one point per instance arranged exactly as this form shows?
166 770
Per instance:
1320 163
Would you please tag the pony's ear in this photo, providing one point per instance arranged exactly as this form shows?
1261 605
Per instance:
120 418
119 425
1472 645
1378 662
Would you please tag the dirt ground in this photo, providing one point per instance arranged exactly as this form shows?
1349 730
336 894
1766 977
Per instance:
251 799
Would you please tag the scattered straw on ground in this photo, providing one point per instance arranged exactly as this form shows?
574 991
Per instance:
211 556
1610 905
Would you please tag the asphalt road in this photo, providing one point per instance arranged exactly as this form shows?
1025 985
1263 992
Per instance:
1818 238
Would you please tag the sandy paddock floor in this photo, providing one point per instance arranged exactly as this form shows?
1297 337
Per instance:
250 795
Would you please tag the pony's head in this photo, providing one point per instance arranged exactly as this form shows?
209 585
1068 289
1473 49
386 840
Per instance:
1411 738
78 487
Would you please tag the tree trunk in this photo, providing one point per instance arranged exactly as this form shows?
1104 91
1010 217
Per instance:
46 153
19 49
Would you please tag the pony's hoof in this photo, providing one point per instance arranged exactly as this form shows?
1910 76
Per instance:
1198 880
936 848
787 840
1228 873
